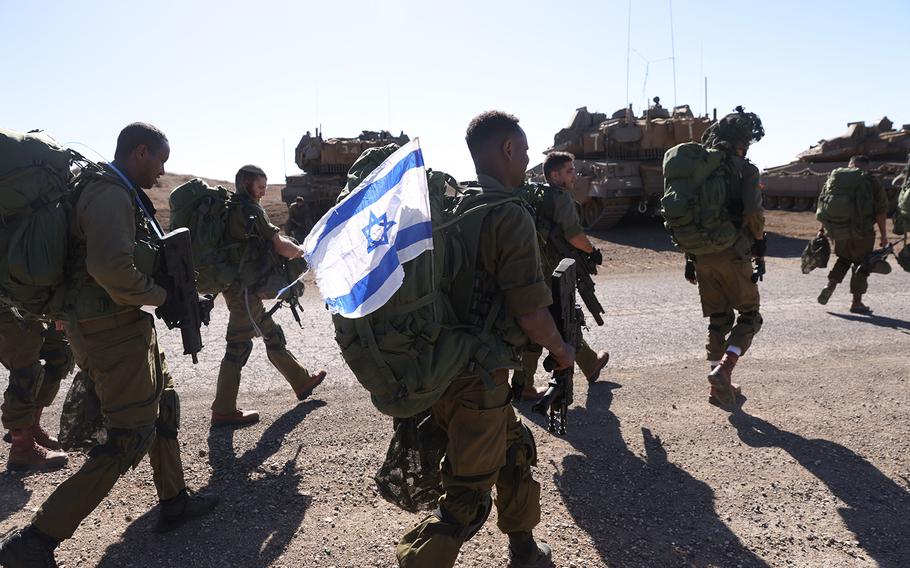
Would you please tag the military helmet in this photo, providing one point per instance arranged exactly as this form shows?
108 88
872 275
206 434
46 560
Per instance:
816 254
737 128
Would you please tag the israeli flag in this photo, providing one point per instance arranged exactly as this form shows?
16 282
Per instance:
358 247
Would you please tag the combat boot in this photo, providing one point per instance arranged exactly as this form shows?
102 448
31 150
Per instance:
602 359
236 418
27 548
525 552
26 455
307 388
41 435
723 391
858 307
826 292
184 507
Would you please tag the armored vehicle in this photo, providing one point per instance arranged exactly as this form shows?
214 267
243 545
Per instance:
618 158
795 186
325 164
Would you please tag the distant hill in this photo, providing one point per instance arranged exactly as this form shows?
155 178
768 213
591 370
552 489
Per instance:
277 210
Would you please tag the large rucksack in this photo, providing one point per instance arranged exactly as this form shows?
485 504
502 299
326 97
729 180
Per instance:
444 321
845 204
696 198
36 188
204 210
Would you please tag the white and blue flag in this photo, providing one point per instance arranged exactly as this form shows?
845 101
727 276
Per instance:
358 247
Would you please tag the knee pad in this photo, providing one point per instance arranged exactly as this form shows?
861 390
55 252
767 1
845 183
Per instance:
238 352
721 319
522 452
58 364
751 319
275 339
126 446
24 383
450 526
168 422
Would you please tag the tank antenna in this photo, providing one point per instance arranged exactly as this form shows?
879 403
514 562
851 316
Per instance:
284 156
628 49
706 95
673 52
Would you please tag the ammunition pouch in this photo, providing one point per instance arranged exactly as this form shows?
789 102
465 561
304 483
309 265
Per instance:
168 422
126 446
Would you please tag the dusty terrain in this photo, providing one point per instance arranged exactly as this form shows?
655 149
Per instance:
812 471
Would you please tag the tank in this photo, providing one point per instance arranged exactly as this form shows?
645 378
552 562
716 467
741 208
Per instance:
325 164
795 186
619 157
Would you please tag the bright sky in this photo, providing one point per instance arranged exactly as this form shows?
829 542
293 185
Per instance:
237 82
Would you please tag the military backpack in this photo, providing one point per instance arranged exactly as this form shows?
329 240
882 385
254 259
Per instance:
845 204
696 198
37 188
446 320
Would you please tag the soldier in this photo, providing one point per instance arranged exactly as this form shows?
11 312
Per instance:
115 343
487 444
248 318
558 208
32 388
852 247
724 278
300 221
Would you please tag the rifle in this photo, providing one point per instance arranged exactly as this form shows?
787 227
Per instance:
585 267
569 319
183 307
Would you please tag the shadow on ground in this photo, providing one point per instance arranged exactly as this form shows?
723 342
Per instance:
15 495
261 508
876 320
877 509
782 246
639 511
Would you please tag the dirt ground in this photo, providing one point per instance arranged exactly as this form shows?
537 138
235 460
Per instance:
812 470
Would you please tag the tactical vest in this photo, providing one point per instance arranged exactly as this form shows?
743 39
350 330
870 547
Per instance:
84 297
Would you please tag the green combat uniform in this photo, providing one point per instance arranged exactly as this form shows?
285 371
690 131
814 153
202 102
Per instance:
248 318
487 443
32 386
565 216
724 278
115 343
852 251
300 221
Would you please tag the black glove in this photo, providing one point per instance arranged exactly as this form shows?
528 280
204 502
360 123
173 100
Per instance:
596 257
690 271
759 248
206 305
169 312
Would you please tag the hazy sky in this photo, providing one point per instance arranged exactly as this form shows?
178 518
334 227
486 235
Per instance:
238 82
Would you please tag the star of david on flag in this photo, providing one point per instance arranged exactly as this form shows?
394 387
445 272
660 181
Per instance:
357 248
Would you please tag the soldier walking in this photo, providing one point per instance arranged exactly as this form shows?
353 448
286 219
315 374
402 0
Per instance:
865 205
249 223
32 388
554 207
487 444
116 344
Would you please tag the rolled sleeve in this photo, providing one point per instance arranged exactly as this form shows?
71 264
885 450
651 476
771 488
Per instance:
510 253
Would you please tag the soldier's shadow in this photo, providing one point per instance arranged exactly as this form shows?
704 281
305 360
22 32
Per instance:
261 507
876 508
15 495
640 511
881 321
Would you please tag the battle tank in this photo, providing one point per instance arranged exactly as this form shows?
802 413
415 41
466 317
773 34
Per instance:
619 158
325 164
795 186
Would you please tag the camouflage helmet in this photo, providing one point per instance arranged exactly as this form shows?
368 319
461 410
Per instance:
739 128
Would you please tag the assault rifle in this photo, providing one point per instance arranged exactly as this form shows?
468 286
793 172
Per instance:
585 267
184 308
569 319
